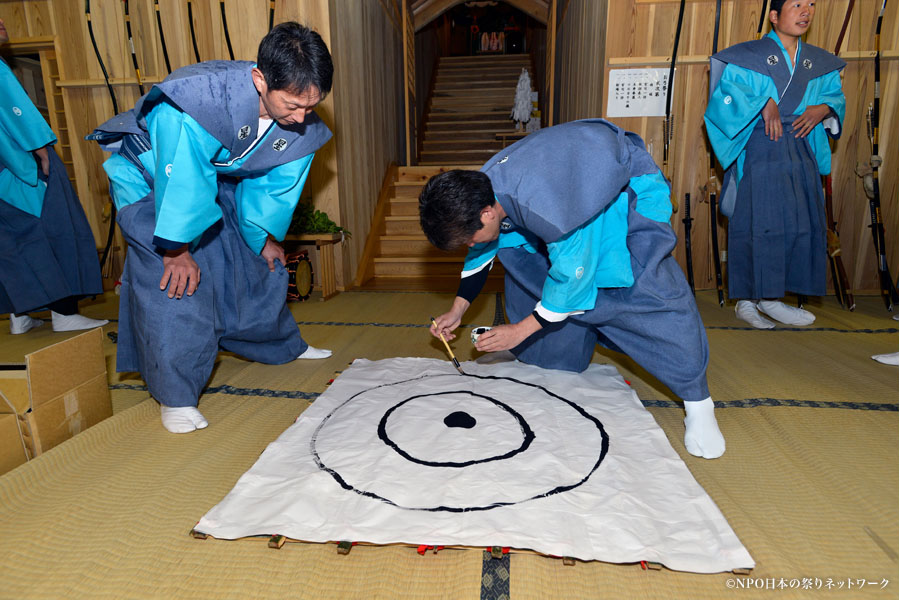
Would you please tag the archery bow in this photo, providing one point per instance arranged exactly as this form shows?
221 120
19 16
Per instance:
134 60
193 33
712 187
762 19
225 29
112 93
667 123
162 36
838 274
271 14
688 254
888 291
115 104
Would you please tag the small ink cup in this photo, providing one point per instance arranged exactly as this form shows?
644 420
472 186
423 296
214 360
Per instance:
477 332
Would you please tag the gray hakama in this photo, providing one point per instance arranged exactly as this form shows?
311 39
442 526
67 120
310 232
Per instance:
776 226
239 305
51 257
558 180
655 321
776 236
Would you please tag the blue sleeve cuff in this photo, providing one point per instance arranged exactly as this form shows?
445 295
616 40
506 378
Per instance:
166 244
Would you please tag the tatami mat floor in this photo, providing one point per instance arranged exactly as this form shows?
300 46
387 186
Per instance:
809 482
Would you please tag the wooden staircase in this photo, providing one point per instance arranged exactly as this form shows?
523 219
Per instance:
398 256
470 105
467 122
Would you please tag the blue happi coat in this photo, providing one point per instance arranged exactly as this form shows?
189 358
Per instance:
772 191
194 164
47 249
587 245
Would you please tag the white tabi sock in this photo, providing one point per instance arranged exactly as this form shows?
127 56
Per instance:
746 311
314 353
74 322
789 315
701 431
182 419
887 359
22 324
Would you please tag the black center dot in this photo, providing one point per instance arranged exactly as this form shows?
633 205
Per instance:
459 419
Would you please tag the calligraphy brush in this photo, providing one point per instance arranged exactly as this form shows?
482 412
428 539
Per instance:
449 351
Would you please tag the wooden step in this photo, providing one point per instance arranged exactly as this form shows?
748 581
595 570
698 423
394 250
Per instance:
412 245
431 266
442 158
404 266
462 105
495 145
450 62
403 225
459 108
484 124
441 117
499 94
405 207
491 97
406 194
478 79
466 83
421 174
472 134
447 285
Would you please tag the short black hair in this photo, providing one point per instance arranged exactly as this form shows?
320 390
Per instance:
777 5
450 207
294 58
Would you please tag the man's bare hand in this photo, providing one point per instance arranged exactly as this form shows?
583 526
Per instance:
272 251
505 337
772 118
812 116
447 322
44 158
180 273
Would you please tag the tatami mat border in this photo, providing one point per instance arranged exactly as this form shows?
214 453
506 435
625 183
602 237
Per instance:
495 576
745 403
708 327
231 390
717 327
756 402
804 329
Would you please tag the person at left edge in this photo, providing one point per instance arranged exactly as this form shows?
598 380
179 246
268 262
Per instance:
206 172
48 256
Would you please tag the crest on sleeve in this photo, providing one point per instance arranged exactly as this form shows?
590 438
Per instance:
772 60
17 111
244 132
807 64
279 144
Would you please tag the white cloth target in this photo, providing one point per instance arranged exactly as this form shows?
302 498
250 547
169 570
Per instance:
435 449
408 450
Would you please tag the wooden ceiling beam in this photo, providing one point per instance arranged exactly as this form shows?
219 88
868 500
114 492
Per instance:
426 11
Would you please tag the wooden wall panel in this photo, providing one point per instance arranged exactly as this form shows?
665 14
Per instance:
579 80
427 52
536 45
85 97
26 18
367 47
641 34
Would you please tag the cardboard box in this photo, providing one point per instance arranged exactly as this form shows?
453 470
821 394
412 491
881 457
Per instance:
60 391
